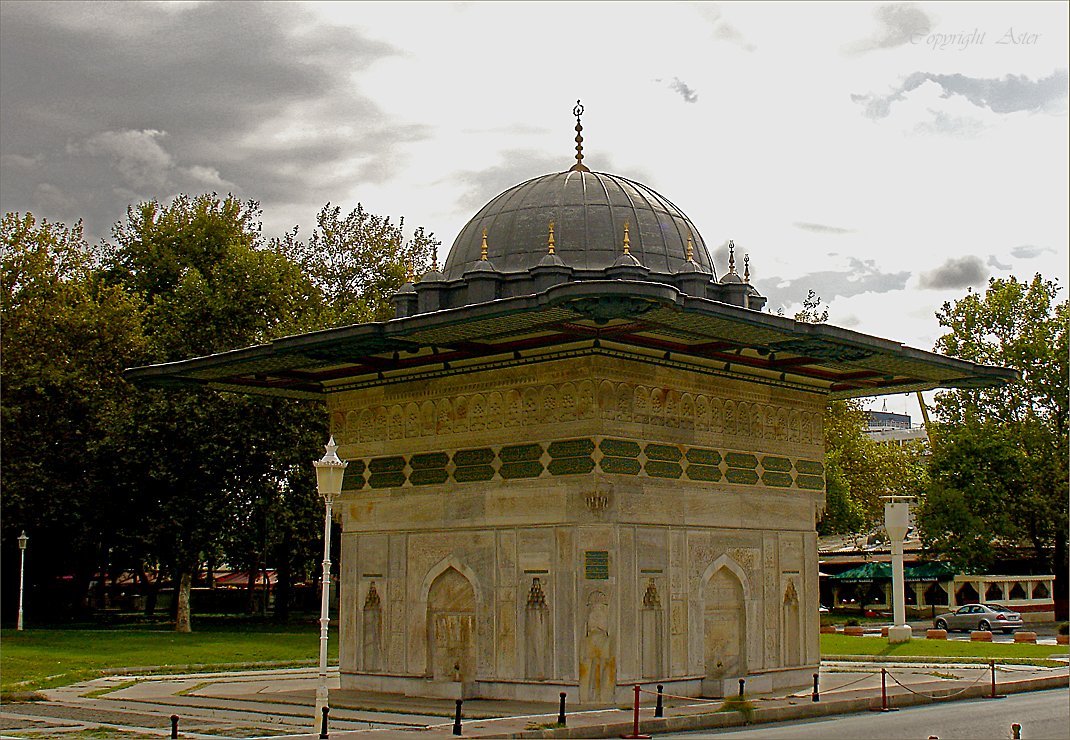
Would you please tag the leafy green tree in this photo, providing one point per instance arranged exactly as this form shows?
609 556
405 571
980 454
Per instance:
1000 468
358 261
66 339
195 458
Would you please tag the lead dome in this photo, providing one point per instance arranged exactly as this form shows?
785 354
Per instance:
589 211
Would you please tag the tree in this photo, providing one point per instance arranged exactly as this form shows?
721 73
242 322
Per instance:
358 261
195 458
66 338
1000 470
859 471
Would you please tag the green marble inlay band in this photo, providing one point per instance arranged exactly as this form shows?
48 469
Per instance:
709 473
429 477
810 482
740 460
621 465
703 457
353 478
386 480
472 473
523 469
777 480
745 477
571 466
429 461
659 469
669 453
473 457
386 464
779 464
619 448
809 467
520 453
571 448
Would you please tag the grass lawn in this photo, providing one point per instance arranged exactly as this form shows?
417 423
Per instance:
922 648
44 658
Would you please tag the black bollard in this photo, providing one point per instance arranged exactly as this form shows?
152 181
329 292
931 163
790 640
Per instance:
323 723
174 726
659 708
816 696
561 711
457 718
742 683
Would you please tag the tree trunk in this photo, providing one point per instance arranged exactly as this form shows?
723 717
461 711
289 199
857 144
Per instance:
283 576
252 574
182 594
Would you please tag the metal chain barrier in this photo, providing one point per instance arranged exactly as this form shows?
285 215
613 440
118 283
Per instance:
939 698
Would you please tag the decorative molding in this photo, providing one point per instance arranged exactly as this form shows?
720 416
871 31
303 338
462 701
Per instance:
555 403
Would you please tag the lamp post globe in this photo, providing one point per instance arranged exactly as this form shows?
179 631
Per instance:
330 470
23 540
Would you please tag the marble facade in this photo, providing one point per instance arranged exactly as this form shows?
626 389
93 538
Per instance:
580 525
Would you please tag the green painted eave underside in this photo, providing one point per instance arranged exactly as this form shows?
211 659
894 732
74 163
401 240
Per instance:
649 322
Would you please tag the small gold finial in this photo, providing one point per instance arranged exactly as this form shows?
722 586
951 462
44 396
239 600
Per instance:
746 268
483 247
550 241
731 256
627 241
579 166
410 271
690 249
434 261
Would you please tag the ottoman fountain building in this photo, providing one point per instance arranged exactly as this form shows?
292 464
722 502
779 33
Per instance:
578 458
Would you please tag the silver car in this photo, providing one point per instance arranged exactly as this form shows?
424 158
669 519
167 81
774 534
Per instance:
986 617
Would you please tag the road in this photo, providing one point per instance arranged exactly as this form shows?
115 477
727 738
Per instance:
1043 715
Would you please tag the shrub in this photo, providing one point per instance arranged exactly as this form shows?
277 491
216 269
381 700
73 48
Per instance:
851 623
739 704
1064 628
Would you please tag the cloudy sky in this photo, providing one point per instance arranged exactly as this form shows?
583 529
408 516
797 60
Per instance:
888 156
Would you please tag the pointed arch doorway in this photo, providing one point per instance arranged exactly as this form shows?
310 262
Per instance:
451 626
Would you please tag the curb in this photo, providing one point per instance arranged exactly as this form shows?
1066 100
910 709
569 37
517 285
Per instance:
764 715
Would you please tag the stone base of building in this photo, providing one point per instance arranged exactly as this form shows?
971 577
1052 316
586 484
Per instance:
550 691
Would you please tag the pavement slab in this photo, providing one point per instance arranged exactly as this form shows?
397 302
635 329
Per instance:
279 704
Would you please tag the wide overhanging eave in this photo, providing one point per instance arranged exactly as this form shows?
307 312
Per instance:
650 319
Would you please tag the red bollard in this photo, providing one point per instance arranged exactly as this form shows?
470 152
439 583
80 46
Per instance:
635 719
884 695
993 694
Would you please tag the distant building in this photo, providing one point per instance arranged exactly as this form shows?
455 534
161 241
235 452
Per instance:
892 428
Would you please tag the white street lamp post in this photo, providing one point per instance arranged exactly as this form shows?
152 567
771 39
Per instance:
897 522
329 472
23 539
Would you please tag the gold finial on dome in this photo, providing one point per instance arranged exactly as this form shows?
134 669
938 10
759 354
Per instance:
579 166
483 247
550 241
627 241
731 256
746 268
690 249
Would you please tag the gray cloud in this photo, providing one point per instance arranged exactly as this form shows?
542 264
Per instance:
128 101
1011 94
993 261
957 272
897 24
861 276
821 228
941 123
687 93
1029 251
722 29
